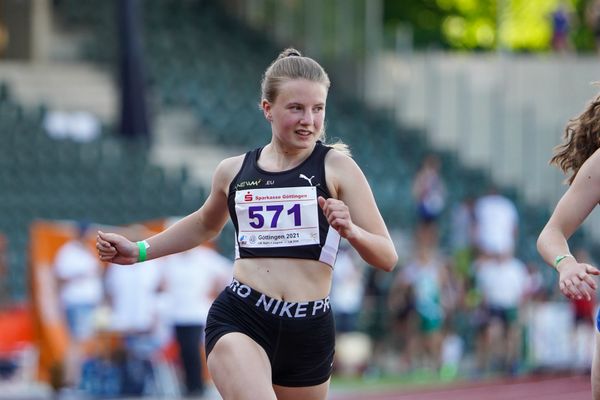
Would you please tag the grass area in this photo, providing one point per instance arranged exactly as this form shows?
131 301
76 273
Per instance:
413 379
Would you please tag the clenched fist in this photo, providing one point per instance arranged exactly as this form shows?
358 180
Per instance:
116 249
338 216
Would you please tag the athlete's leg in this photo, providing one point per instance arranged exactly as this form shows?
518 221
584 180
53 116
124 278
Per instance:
596 367
240 369
318 392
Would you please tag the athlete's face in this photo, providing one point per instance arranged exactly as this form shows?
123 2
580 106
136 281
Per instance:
298 113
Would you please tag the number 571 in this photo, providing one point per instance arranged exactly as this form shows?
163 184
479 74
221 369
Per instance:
257 217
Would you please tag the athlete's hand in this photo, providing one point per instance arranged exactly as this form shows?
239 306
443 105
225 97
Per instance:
338 216
576 280
116 249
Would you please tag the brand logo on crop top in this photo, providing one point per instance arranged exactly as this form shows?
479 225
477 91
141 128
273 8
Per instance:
245 184
309 180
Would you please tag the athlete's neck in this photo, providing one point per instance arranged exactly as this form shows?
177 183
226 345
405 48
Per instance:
275 157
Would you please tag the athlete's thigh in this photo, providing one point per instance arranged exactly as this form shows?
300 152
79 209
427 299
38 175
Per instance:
318 392
240 368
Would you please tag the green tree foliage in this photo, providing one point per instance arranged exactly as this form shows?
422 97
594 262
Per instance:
518 25
527 24
470 24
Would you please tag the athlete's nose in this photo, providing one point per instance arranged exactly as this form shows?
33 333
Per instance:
308 118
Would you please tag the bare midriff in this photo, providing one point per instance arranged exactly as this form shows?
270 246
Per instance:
289 279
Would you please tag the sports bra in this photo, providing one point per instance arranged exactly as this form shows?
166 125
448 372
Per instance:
276 214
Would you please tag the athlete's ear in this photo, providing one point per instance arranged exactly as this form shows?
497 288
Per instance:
322 202
266 107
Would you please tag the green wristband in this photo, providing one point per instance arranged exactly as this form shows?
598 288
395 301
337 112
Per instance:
142 246
558 259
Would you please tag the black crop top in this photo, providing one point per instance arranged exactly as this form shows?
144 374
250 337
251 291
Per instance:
276 214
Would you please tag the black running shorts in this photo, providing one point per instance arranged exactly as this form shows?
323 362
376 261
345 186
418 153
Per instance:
299 338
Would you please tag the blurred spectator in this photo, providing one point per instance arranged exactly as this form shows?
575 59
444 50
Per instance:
353 348
429 193
192 281
593 21
503 283
429 190
401 303
376 320
562 19
496 220
347 289
453 348
78 273
462 238
426 277
536 289
132 292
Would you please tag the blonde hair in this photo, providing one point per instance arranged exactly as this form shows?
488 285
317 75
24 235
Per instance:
290 64
581 140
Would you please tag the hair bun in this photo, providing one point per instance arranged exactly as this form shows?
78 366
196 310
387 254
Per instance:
289 52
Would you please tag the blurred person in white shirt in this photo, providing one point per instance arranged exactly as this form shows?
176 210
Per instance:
132 292
497 221
347 290
503 284
78 273
193 279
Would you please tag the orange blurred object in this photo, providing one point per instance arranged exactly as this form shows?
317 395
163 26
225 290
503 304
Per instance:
16 329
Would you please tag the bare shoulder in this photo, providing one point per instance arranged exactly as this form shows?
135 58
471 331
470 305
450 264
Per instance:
342 172
586 185
336 160
227 170
595 161
231 162
590 170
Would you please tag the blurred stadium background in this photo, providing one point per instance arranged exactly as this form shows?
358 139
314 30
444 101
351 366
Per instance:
116 112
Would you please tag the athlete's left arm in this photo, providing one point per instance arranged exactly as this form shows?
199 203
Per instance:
352 211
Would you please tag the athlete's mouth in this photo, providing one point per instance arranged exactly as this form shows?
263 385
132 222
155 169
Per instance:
303 132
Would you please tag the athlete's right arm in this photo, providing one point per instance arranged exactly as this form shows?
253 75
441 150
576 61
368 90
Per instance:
572 209
192 230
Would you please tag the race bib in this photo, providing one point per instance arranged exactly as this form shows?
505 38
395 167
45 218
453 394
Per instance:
277 217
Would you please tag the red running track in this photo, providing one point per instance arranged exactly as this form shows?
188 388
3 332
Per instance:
545 388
